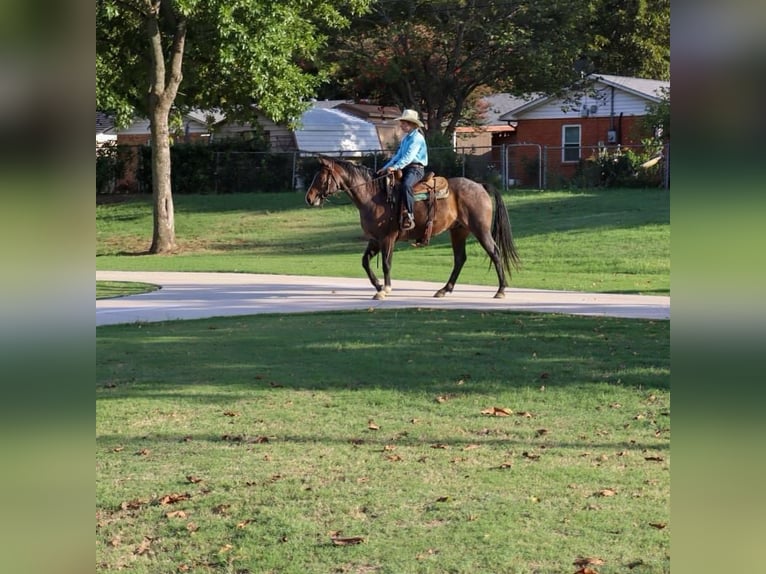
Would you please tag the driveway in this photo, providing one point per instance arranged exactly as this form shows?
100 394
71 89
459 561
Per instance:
199 295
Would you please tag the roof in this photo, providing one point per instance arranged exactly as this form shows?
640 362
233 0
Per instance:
371 112
650 90
331 131
499 104
104 123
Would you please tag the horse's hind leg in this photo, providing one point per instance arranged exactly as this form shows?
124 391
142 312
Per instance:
491 248
458 235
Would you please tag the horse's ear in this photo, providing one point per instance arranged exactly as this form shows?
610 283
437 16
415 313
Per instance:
324 160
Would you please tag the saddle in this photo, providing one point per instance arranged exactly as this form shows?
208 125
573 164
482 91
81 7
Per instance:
428 189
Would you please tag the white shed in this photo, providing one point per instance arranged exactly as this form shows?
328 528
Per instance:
332 132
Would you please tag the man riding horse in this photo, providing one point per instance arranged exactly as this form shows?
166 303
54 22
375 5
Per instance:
411 158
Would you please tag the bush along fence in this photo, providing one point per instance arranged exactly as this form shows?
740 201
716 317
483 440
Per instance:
231 168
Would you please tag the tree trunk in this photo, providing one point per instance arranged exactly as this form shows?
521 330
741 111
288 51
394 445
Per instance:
163 235
162 93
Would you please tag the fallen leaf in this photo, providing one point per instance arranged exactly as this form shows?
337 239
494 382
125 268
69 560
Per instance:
606 492
394 457
497 412
658 525
586 570
525 414
193 479
143 452
530 455
192 527
443 499
118 449
230 413
115 542
635 563
133 504
439 445
541 432
175 514
654 458
346 540
389 447
243 523
173 498
143 547
225 548
471 446
372 426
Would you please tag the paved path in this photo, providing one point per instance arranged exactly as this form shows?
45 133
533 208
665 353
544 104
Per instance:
198 295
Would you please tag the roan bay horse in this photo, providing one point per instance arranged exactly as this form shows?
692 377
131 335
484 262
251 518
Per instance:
467 209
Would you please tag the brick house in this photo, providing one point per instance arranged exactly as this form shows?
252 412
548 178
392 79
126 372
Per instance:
574 128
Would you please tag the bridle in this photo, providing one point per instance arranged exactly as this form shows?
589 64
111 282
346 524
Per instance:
339 186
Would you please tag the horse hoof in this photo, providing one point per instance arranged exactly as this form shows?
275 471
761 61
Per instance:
379 296
499 295
440 293
387 289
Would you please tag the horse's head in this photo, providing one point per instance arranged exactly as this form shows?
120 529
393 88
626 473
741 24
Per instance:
326 182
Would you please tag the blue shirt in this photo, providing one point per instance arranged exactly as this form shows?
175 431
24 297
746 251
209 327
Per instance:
411 150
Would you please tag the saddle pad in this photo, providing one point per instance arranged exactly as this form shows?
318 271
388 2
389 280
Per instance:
420 191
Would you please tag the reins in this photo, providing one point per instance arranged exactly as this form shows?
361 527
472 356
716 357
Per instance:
345 188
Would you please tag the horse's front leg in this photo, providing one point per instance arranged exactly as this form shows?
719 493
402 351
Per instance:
387 250
373 248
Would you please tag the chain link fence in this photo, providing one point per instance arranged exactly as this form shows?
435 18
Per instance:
198 169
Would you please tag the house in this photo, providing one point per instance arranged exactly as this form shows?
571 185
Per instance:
566 130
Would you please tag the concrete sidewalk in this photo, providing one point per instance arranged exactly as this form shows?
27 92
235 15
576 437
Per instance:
198 295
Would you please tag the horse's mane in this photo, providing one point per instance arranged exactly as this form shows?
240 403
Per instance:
362 171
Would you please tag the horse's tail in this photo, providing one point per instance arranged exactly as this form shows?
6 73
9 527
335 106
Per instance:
502 233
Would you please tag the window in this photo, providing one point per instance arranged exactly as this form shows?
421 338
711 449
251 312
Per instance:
570 136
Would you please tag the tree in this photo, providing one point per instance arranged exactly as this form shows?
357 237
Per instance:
156 58
631 38
433 55
437 55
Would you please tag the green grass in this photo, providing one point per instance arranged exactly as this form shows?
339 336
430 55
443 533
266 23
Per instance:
615 240
244 444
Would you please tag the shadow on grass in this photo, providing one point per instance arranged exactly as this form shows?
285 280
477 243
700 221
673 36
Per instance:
255 441
409 351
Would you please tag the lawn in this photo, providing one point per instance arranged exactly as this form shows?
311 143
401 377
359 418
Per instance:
613 240
388 441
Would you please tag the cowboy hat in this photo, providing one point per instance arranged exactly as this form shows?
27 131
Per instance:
410 116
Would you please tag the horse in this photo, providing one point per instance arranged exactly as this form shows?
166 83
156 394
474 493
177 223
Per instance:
467 209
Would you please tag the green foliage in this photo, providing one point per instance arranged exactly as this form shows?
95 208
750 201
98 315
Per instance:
436 55
238 54
630 38
110 167
227 166
657 119
622 167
